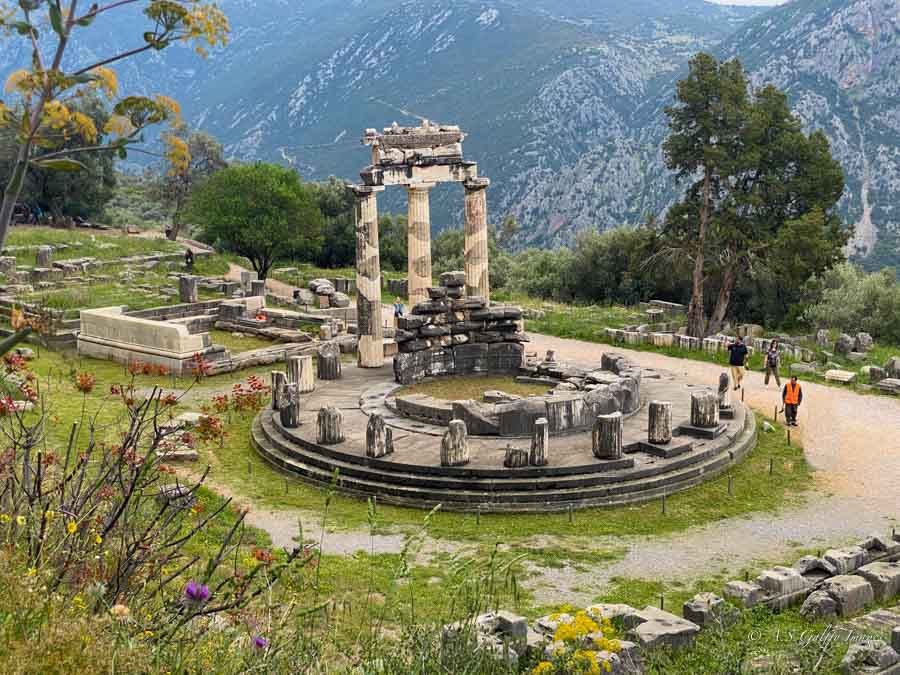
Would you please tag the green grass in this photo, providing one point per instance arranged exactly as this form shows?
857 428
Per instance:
462 388
238 343
103 245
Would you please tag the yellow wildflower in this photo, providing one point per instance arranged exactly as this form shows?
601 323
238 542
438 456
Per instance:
4 518
20 81
32 572
98 539
85 126
56 115
71 526
49 515
543 668
20 520
177 154
170 105
106 81
78 602
119 126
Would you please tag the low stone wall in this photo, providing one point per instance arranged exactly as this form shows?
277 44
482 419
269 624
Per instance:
579 395
456 335
110 334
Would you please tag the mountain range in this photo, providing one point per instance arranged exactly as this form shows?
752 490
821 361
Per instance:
562 100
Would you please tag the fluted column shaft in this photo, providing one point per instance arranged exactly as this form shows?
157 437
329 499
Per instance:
368 278
477 278
418 242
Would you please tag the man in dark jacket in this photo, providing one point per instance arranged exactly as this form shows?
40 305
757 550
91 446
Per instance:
738 356
792 395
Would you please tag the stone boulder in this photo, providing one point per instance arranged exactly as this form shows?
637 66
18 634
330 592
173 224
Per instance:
864 342
892 367
819 605
844 344
884 578
659 628
870 656
340 300
705 609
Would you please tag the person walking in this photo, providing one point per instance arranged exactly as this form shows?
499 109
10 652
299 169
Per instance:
738 357
772 359
792 395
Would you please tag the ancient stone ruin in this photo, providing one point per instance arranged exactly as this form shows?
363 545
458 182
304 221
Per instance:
417 158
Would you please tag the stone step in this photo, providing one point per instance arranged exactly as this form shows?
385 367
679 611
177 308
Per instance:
880 621
410 490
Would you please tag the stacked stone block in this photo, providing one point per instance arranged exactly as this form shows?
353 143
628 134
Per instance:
454 334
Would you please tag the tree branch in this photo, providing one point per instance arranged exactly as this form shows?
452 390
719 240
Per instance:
112 59
108 7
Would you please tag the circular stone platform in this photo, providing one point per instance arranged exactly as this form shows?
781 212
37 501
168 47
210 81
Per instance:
574 478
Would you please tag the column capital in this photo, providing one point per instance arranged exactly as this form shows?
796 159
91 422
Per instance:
423 187
363 190
473 184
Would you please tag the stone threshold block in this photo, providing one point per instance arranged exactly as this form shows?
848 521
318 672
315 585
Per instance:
658 628
842 376
673 449
850 592
688 429
884 578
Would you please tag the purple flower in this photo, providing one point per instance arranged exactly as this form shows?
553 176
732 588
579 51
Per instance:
196 592
260 642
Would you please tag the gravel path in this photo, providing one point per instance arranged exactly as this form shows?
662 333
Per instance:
853 442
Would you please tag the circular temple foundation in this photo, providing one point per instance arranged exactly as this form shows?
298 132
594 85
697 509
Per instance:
411 472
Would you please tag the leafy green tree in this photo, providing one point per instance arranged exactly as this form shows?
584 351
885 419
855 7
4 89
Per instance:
706 127
260 211
753 173
336 204
44 95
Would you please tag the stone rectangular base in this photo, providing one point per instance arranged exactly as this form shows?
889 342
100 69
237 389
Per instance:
686 429
672 449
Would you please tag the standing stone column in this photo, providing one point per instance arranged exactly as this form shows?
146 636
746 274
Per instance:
540 443
368 278
258 287
187 289
660 425
418 243
328 361
330 426
455 445
704 409
300 372
477 278
379 438
724 391
607 436
44 256
289 405
279 379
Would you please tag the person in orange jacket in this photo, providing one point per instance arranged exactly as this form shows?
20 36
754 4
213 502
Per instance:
792 395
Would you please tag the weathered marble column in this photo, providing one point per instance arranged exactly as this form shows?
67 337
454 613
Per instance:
368 278
607 436
540 443
477 279
659 430
300 372
379 438
455 445
328 361
418 243
704 409
329 426
279 380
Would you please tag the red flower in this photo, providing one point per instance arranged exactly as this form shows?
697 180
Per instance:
84 382
135 367
162 370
